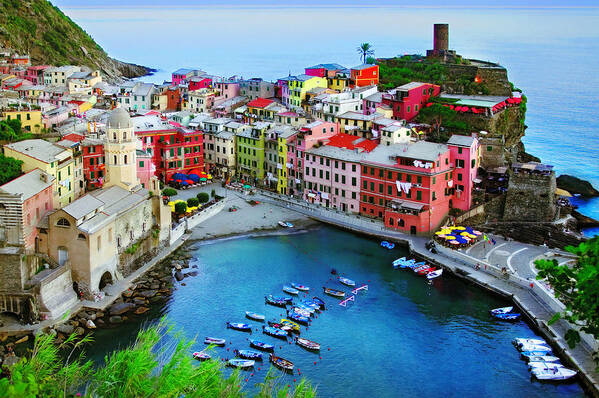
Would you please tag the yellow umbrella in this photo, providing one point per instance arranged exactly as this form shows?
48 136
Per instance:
439 233
449 237
460 228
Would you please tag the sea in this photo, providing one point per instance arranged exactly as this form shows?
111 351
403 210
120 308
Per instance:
552 53
402 337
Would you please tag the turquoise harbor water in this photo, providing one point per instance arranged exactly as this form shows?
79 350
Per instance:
402 338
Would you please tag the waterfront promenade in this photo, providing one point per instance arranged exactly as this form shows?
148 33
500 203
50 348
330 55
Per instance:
519 284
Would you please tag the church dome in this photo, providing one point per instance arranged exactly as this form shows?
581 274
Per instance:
119 119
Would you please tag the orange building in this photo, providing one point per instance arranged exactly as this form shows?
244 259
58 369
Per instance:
365 75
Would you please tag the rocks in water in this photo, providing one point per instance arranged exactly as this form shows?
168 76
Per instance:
65 328
128 293
99 314
155 286
100 322
139 301
179 276
148 293
90 324
115 319
121 308
10 361
584 221
192 273
141 310
575 185
79 331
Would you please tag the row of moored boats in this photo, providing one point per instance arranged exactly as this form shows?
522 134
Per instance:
420 268
542 364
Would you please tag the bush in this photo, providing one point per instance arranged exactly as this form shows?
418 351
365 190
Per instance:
203 197
169 192
213 193
193 202
180 207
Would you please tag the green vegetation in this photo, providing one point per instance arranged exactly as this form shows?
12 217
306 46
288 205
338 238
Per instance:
365 50
180 207
203 197
213 193
439 116
9 169
577 286
158 364
523 111
193 202
10 130
398 71
132 249
169 192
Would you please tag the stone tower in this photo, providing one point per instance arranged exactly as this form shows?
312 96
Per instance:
119 151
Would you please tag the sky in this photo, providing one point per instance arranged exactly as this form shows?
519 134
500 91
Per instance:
321 3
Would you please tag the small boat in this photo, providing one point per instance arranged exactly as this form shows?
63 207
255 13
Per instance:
283 224
299 311
347 281
319 301
409 263
244 327
534 347
248 354
241 363
510 317
255 316
281 363
390 245
289 225
398 262
214 341
417 269
542 358
308 344
519 341
384 243
290 290
201 356
272 301
274 332
434 274
300 287
285 328
294 326
530 354
312 304
555 374
426 270
544 365
261 345
286 299
416 264
502 310
294 316
333 292
306 307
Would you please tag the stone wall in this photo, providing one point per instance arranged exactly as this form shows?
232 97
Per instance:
530 197
492 76
55 293
12 270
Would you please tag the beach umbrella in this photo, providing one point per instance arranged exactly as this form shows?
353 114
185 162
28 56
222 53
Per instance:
247 186
209 176
203 179
460 228
439 233
477 233
193 177
449 237
184 183
454 242
190 182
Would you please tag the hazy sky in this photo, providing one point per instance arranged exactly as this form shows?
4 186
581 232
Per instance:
279 3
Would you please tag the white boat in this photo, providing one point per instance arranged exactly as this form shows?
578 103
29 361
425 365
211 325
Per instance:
347 281
534 347
396 263
544 365
241 363
553 374
201 356
289 225
434 274
290 290
502 310
283 224
519 341
542 358
301 287
255 316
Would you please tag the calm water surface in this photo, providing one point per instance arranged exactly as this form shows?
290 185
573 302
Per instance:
404 337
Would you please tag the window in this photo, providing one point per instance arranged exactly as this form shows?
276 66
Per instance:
419 179
473 163
460 150
434 180
365 184
459 176
434 196
418 195
353 168
372 186
63 222
81 237
353 181
389 190
125 159
380 188
489 148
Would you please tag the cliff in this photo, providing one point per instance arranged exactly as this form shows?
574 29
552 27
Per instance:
38 28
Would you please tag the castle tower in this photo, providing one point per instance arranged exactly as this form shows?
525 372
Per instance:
441 37
119 150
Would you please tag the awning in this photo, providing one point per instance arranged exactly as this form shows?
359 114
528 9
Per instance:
311 195
407 205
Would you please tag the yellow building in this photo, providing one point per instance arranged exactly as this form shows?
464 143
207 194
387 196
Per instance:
31 119
338 83
300 85
53 159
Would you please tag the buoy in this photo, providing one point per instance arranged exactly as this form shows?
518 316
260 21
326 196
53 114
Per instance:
329 349
314 362
319 357
227 349
246 380
251 374
294 380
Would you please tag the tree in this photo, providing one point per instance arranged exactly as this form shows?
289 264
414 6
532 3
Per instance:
8 132
193 202
438 116
180 207
203 197
365 50
169 192
577 286
10 169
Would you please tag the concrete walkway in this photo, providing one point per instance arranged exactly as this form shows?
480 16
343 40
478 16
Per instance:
535 302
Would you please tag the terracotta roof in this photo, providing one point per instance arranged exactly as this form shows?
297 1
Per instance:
260 103
348 141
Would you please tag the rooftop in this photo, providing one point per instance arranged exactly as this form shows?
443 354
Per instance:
40 149
260 103
420 150
349 141
332 66
410 86
29 184
363 66
461 140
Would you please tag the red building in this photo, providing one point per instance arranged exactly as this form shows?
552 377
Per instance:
173 150
365 75
93 162
198 82
173 99
35 74
324 70
408 186
407 100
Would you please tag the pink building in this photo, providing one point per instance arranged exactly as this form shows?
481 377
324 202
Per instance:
198 82
182 75
226 90
332 172
145 167
24 201
55 117
324 70
35 74
465 156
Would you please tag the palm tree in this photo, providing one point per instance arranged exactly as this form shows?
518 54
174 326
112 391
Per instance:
365 50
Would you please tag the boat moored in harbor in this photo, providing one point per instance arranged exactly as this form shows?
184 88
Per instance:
333 292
